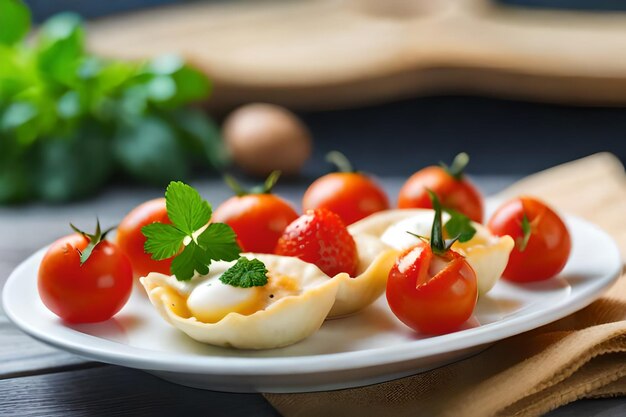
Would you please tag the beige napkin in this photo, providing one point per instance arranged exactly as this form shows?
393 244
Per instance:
580 356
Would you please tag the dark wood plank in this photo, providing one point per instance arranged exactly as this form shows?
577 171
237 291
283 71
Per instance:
112 390
20 355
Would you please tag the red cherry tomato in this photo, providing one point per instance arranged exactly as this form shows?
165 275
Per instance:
131 241
351 195
258 219
452 188
547 248
432 294
86 293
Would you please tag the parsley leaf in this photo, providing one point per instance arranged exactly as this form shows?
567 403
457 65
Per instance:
219 241
185 207
459 225
246 273
191 260
189 213
163 240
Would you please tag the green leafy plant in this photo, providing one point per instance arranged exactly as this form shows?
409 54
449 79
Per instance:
69 119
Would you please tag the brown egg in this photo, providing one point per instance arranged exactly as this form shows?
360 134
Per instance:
263 137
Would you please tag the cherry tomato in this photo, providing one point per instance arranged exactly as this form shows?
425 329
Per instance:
86 293
430 293
131 241
449 184
258 219
351 195
543 250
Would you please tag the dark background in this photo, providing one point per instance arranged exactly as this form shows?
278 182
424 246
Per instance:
502 136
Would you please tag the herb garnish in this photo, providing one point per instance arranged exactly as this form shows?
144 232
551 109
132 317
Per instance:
201 242
246 273
459 225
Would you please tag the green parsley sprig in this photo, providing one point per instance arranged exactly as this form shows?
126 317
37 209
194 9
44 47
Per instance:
246 273
459 225
195 243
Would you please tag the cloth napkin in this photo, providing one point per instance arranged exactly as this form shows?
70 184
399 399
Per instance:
580 356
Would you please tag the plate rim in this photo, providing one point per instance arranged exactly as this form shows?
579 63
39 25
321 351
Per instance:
118 353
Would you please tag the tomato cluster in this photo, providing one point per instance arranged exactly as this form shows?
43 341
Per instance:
431 288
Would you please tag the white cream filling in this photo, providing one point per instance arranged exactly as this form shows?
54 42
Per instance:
421 224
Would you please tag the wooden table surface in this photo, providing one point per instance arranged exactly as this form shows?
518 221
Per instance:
39 380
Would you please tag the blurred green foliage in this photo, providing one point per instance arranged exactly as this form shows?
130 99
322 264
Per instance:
69 119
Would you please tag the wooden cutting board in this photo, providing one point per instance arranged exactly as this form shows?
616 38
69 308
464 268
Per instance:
339 53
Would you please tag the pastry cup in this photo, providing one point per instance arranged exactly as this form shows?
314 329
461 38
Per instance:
283 322
487 254
356 293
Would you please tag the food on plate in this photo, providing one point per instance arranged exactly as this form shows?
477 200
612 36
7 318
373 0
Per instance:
360 262
288 306
375 261
131 241
351 194
542 241
432 288
84 278
257 216
298 271
450 184
486 253
217 296
321 238
263 137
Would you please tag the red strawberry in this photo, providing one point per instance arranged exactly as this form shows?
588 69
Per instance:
320 237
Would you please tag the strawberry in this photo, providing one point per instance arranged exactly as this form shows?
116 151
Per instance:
320 237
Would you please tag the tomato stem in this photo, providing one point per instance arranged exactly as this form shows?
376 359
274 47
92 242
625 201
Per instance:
457 168
436 234
526 229
94 239
340 161
265 188
438 244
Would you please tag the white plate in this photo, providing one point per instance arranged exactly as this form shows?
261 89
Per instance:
369 347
